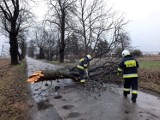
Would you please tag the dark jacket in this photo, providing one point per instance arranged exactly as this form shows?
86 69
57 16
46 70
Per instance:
129 67
84 63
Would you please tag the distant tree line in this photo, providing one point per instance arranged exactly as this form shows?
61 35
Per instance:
70 29
137 53
79 27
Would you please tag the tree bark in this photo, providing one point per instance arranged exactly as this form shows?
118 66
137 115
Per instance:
52 75
13 49
41 53
23 49
62 43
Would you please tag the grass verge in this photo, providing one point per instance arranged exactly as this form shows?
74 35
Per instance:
13 91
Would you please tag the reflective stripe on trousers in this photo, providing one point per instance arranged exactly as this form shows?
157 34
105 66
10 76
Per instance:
134 92
130 75
126 89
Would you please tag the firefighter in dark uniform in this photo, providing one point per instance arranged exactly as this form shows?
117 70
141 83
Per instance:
130 74
83 67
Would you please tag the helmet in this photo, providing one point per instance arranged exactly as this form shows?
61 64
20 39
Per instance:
125 53
89 57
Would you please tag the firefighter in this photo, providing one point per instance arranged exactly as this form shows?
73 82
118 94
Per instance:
83 67
129 67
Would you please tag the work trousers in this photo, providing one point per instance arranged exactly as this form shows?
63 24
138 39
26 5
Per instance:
133 84
82 74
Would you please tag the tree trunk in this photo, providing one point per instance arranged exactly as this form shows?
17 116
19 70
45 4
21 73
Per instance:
105 72
41 54
52 75
19 56
62 43
23 50
13 48
61 55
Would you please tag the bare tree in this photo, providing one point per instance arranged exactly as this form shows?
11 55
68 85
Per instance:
50 47
12 18
120 36
60 12
92 22
93 28
124 40
45 39
31 49
39 39
22 45
72 47
102 46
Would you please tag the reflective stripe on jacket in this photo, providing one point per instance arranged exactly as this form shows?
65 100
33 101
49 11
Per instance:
129 67
80 67
84 62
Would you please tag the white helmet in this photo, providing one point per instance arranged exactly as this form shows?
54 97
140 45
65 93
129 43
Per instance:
125 53
89 57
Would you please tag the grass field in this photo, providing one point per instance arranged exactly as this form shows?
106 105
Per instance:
152 65
149 73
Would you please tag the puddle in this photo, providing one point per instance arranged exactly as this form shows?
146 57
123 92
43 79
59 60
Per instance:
43 105
73 115
67 107
58 97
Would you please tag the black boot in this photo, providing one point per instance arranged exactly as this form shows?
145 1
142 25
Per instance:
125 94
134 97
133 100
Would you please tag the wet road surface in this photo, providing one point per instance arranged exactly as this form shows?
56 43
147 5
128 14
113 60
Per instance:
74 103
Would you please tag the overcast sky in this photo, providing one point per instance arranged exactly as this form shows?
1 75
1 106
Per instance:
144 25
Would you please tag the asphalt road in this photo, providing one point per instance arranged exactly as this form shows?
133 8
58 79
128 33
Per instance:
75 103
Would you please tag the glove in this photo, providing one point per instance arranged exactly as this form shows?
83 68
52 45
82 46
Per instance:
118 73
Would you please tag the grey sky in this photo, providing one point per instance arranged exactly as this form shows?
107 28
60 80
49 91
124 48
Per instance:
3 41
145 33
144 25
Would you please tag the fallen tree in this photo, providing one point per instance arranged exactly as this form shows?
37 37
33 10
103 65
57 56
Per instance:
102 73
40 76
